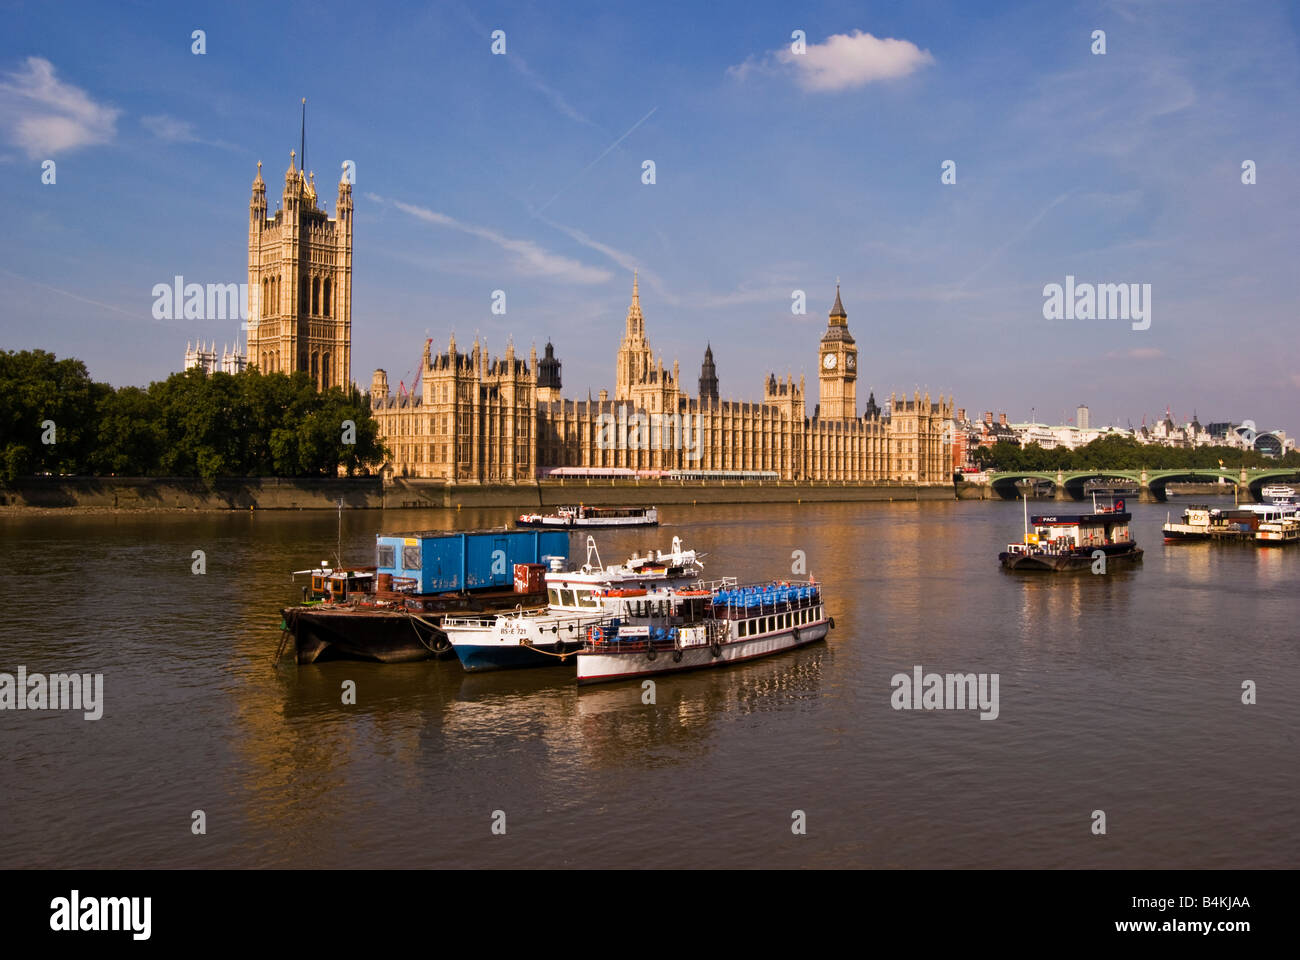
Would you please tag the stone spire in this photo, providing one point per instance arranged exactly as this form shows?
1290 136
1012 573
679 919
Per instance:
838 312
635 322
708 376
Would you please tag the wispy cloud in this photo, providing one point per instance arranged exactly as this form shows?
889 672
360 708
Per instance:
527 257
841 62
173 130
45 116
550 93
625 260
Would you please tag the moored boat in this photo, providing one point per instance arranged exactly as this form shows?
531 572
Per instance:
585 516
1074 542
718 625
576 600
393 612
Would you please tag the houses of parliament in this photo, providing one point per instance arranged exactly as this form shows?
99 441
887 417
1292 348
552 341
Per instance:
473 418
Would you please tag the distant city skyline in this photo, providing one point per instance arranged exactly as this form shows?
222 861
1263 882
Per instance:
775 172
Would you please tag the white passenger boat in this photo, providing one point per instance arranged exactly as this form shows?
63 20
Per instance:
576 599
1278 493
713 625
585 516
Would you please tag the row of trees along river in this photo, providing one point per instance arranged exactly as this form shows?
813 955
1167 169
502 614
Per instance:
1122 453
192 424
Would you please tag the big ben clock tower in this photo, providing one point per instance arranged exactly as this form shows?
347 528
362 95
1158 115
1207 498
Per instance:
838 367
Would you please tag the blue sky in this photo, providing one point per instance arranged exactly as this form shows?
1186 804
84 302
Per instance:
774 173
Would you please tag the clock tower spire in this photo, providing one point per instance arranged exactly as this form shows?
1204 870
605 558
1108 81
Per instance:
838 366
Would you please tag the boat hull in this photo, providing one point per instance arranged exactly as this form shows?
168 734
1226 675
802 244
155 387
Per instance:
481 658
1062 563
602 667
379 636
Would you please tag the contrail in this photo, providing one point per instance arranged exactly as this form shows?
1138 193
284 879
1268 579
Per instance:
594 162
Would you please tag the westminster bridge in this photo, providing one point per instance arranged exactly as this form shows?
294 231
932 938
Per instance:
1069 484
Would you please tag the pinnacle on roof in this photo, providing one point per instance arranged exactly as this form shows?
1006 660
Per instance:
838 311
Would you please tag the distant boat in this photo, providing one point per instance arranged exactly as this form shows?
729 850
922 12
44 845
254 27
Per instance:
584 516
1115 488
1278 493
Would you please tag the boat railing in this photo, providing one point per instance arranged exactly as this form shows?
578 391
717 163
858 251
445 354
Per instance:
722 583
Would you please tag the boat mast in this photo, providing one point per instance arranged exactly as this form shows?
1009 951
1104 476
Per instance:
1024 497
338 552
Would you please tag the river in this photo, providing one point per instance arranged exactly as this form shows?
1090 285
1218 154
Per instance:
1119 693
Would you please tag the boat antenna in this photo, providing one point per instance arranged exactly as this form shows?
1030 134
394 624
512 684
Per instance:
338 552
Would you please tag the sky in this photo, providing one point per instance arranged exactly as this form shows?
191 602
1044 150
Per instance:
775 171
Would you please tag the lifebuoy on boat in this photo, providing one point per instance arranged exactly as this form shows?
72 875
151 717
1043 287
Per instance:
596 635
651 652
715 649
677 656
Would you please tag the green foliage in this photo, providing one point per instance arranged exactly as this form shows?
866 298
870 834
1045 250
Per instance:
1115 452
190 424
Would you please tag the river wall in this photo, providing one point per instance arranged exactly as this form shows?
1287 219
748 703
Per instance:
183 493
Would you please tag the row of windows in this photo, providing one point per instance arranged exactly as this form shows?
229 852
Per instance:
318 298
781 621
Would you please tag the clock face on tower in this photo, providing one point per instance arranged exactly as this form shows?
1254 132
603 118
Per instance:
851 361
828 361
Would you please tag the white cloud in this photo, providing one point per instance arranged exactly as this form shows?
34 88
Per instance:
170 129
528 257
44 116
842 62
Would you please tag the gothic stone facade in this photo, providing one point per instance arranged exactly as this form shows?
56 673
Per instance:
470 418
300 282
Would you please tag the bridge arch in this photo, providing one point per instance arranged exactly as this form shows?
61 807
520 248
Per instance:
1075 480
1157 480
1256 484
1004 484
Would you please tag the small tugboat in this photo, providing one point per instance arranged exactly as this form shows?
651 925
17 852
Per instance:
577 599
393 612
1060 543
715 626
584 516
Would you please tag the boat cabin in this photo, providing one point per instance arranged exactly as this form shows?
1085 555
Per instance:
336 586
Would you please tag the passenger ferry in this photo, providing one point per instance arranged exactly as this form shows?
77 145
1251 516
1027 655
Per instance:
713 625
1060 543
576 599
1278 493
584 516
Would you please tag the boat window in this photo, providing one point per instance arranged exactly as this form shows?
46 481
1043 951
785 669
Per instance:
587 599
553 596
386 556
411 558
742 628
566 597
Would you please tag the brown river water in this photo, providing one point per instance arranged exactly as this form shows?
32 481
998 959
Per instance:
1120 693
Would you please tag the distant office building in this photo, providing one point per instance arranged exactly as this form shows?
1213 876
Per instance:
1081 417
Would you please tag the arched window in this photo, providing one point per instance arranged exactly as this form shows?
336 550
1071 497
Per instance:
266 297
329 287
315 368
325 371
315 296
